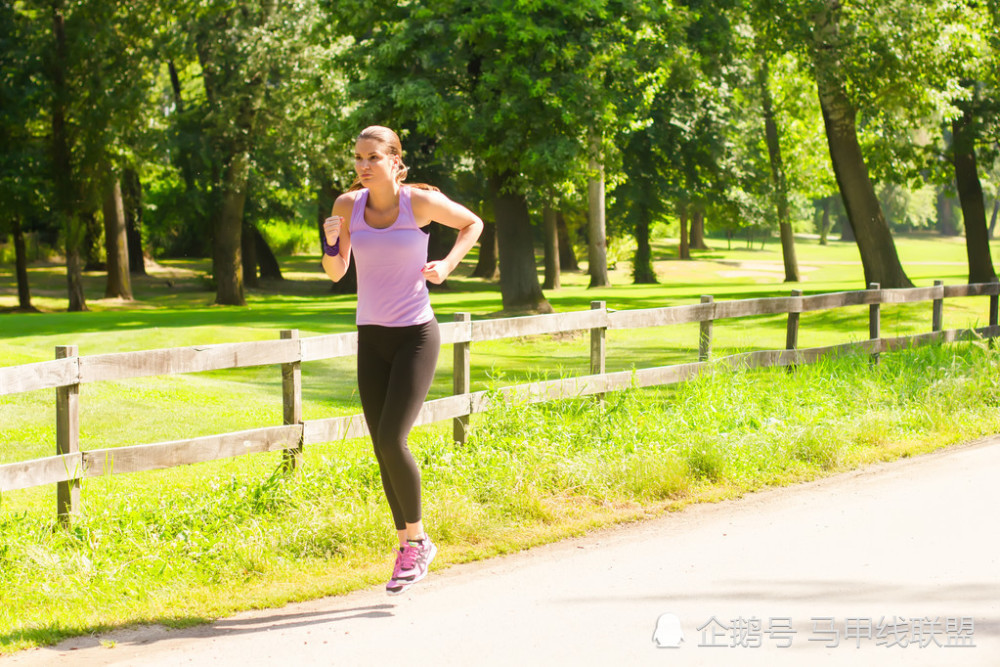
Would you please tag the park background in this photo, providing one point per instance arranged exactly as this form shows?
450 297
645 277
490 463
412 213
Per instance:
166 166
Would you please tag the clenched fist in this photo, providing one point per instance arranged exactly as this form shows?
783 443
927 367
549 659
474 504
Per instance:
331 229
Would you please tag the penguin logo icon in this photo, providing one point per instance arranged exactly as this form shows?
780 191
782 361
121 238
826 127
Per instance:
668 633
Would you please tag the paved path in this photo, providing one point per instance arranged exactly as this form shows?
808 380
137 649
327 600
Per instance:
836 559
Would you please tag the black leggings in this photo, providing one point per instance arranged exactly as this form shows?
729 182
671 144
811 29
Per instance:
395 369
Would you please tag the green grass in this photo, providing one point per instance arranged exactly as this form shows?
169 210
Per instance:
188 544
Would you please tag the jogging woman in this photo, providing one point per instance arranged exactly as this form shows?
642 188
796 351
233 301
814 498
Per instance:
384 221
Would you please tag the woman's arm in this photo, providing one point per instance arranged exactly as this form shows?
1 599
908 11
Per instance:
337 230
431 205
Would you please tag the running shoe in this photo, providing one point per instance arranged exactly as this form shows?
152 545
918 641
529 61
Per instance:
412 563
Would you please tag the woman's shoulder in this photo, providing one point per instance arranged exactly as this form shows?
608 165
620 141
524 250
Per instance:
352 195
424 195
345 202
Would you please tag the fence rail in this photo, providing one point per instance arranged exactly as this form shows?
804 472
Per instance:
69 371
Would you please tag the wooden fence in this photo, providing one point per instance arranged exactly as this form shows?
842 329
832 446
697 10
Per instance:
69 370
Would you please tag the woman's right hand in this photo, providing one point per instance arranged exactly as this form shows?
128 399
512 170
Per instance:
331 228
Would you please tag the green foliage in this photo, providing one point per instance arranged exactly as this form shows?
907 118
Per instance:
290 238
907 209
521 89
23 161
659 94
253 85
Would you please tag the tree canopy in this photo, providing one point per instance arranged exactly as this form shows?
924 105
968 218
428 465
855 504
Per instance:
225 115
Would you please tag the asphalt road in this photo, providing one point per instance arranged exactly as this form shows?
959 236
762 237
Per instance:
896 564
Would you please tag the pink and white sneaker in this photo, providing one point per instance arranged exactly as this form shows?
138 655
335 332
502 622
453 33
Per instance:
412 563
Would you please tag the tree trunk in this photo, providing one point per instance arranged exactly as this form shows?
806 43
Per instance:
970 193
519 286
945 205
92 248
778 177
438 246
846 231
824 224
228 262
184 159
698 229
266 260
119 284
878 252
62 178
21 264
217 60
74 279
682 218
567 255
597 241
132 200
248 256
993 218
487 266
550 225
642 266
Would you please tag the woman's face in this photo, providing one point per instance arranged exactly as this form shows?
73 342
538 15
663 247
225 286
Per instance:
373 163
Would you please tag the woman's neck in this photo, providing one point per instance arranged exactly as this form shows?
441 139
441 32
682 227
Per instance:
384 198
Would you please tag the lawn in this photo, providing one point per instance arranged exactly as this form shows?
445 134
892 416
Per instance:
186 544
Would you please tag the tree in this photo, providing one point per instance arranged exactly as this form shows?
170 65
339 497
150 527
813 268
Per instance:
884 74
65 179
597 241
878 251
639 201
261 62
698 229
232 46
767 46
132 203
23 186
118 284
567 253
487 266
695 118
970 193
98 79
778 175
519 90
550 230
977 117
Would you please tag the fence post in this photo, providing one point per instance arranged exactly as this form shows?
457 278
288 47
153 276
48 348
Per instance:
874 321
291 402
461 380
937 318
994 302
705 336
67 438
598 346
792 332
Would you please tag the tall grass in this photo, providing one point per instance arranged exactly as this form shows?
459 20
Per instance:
164 547
289 238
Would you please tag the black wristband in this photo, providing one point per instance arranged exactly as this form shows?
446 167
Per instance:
331 250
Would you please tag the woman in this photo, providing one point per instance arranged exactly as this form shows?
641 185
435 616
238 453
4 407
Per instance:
384 222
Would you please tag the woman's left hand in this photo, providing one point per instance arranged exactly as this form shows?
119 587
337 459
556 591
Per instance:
436 272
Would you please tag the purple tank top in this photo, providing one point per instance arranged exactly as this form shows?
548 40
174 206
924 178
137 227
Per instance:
392 291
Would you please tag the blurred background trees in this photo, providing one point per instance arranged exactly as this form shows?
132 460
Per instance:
581 131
